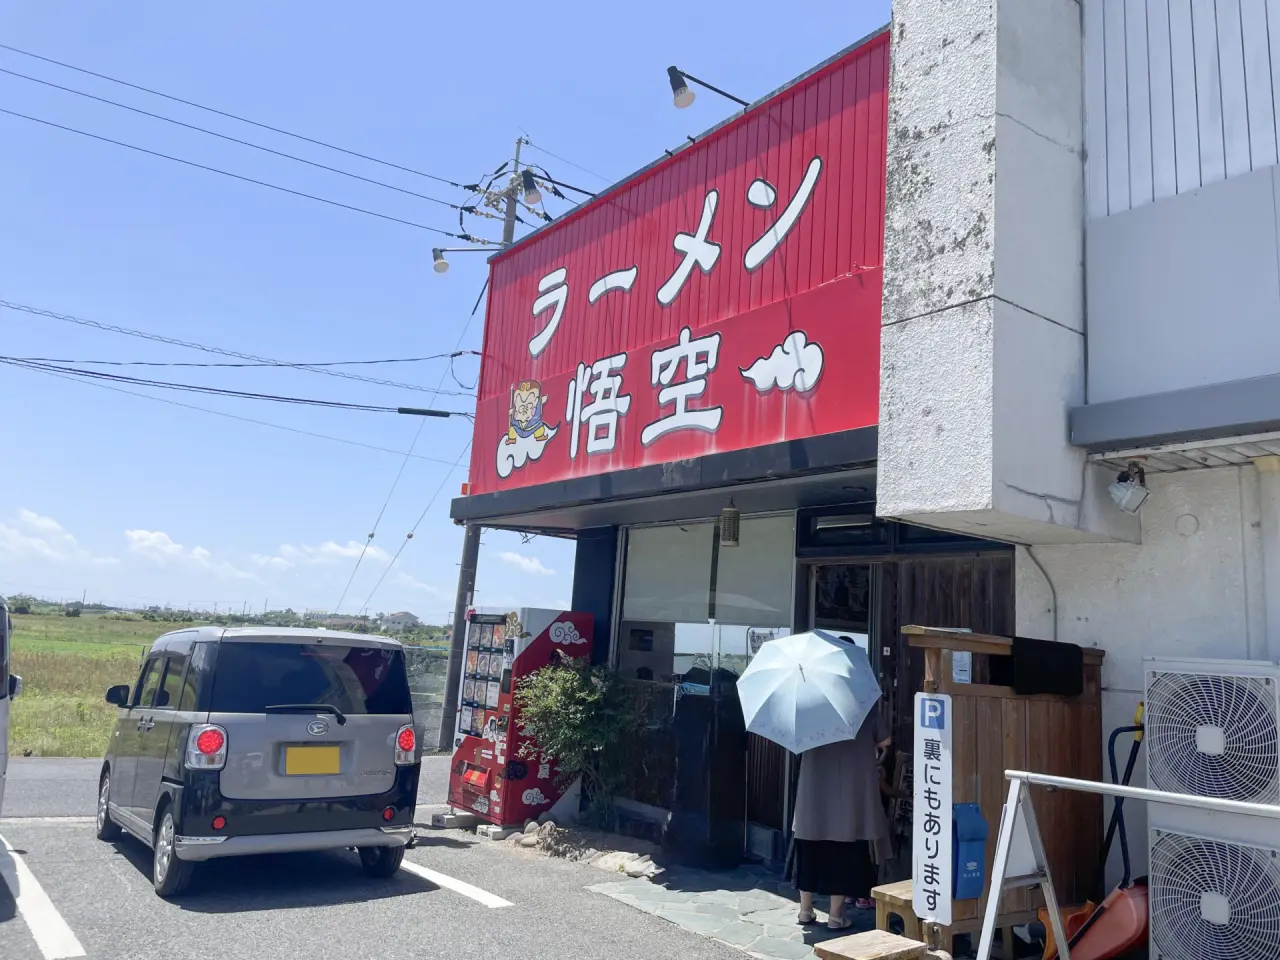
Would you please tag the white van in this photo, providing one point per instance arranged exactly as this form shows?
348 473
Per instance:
10 687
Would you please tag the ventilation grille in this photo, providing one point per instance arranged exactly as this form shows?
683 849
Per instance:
1213 736
1213 900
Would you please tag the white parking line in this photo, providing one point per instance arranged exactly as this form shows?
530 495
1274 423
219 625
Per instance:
19 821
457 886
50 931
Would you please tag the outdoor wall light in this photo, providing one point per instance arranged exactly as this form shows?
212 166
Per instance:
1129 491
681 94
440 265
730 525
532 195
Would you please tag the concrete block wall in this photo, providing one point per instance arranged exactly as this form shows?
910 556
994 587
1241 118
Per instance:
982 348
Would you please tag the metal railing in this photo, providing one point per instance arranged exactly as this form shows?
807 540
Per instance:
1019 809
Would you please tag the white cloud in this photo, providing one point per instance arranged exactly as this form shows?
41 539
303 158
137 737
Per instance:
159 547
329 552
272 563
793 364
153 543
527 564
403 579
32 536
513 456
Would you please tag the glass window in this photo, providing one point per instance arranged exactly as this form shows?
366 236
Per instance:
251 676
690 606
669 573
170 695
842 601
666 601
754 580
149 682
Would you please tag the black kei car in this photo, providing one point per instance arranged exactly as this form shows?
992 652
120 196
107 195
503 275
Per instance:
262 740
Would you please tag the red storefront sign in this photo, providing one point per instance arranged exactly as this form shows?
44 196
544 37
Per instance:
726 298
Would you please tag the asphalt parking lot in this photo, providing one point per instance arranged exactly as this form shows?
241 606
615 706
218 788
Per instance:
458 898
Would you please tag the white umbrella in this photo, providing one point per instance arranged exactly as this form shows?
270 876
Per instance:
807 690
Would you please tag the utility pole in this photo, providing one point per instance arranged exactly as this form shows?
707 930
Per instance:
471 533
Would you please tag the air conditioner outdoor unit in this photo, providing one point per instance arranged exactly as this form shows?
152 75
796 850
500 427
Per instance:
1213 730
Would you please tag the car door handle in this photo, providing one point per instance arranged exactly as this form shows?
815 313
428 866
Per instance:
145 724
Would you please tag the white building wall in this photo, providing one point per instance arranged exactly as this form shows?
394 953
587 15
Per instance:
1193 588
1186 292
1179 94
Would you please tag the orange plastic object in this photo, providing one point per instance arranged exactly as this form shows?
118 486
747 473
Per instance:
1121 926
1073 919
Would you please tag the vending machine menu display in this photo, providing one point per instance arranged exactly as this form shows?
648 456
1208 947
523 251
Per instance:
489 777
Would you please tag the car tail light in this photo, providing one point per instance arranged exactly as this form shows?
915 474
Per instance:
206 747
219 822
389 814
406 745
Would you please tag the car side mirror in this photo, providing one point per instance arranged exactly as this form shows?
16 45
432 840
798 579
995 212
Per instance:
119 695
15 685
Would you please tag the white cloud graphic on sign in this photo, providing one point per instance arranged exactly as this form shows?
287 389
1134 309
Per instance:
512 455
565 632
795 364
534 797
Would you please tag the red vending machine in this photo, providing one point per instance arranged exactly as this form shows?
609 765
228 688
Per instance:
488 777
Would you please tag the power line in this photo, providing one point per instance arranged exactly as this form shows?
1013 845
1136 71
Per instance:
554 156
224 392
417 523
275 365
247 143
395 482
231 116
204 348
261 183
232 416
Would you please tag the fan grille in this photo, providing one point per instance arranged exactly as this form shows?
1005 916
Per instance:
1244 708
1188 872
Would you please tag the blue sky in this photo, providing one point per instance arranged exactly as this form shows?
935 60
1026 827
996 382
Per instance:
138 501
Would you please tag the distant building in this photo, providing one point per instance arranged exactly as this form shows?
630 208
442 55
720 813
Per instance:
401 622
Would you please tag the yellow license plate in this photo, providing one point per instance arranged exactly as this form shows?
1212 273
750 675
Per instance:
312 761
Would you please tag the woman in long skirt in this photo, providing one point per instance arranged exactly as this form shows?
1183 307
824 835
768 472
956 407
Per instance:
839 822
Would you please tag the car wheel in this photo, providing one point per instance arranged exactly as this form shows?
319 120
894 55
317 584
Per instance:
108 829
169 875
381 861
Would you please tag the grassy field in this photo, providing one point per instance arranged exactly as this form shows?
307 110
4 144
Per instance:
66 665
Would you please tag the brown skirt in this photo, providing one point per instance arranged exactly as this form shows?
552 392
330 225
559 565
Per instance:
832 867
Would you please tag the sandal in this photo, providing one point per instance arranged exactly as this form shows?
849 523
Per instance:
804 919
839 923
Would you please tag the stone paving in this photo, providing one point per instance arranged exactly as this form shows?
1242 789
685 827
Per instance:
748 908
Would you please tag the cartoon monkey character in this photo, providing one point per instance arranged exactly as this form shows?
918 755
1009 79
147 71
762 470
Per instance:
527 399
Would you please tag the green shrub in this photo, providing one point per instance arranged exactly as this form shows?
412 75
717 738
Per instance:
579 718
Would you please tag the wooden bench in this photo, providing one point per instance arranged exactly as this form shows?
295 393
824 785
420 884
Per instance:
894 899
870 945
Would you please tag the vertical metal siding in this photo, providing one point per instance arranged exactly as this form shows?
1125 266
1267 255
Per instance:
1179 94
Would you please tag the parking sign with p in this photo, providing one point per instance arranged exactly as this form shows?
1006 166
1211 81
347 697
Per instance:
933 713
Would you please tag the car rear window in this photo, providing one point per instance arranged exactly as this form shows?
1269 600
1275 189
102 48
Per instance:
251 676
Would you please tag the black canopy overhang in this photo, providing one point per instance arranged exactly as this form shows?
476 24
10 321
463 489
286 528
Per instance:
812 471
